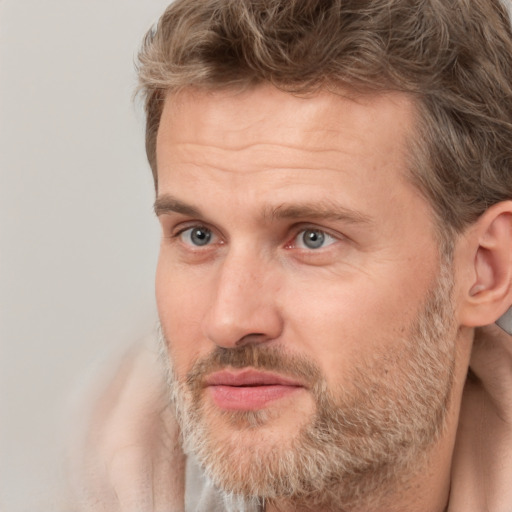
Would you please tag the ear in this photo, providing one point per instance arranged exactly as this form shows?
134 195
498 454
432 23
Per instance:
487 291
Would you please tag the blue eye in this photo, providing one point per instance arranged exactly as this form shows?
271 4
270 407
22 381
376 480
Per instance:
198 236
313 239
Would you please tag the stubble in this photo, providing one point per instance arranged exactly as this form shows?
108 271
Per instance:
363 441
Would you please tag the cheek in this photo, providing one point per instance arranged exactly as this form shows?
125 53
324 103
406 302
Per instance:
333 328
343 324
180 309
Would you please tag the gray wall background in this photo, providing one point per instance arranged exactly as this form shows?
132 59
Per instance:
78 240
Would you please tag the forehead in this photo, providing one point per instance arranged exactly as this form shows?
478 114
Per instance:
266 145
265 114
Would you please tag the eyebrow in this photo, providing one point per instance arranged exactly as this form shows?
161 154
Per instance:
169 204
325 210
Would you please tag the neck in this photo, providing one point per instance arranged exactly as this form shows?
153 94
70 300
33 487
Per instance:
482 462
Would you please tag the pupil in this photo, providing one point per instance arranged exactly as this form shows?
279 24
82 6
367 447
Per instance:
200 236
313 239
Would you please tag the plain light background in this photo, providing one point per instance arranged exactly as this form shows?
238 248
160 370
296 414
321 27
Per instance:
78 240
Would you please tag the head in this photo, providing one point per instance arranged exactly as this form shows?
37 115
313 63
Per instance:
311 254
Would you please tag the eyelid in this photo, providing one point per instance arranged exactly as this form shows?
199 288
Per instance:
311 227
178 231
175 232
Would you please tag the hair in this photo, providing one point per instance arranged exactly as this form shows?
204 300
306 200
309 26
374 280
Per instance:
453 56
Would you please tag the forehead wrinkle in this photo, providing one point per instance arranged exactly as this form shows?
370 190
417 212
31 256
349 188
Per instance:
197 148
250 158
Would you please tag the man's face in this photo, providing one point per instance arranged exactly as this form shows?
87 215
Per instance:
299 285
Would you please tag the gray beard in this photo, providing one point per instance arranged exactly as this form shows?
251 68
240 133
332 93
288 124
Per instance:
365 440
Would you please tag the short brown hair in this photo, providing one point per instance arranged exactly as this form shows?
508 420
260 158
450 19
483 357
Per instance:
455 56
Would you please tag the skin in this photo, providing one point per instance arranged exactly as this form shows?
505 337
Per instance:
256 169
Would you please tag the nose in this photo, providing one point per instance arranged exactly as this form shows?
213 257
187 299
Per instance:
244 307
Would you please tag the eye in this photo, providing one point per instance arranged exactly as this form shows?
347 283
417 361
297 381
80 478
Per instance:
313 239
198 236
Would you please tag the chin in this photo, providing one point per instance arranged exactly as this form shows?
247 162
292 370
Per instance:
246 453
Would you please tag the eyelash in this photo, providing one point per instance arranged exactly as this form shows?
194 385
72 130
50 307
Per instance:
325 236
291 244
190 228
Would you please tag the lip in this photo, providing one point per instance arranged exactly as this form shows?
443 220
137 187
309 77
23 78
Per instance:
249 390
250 377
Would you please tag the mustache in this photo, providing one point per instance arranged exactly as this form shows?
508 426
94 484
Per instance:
260 357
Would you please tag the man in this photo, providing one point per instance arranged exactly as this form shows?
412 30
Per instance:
334 185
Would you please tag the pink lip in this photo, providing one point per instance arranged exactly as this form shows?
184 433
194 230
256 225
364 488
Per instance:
249 390
249 377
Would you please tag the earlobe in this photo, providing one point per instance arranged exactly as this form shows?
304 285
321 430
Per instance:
489 291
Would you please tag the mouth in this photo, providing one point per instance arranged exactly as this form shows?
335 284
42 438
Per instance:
249 390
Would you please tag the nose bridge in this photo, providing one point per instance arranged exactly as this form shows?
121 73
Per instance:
243 308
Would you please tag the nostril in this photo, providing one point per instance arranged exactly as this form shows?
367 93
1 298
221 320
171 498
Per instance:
256 337
229 323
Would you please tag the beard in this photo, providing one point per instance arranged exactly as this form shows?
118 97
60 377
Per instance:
364 440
